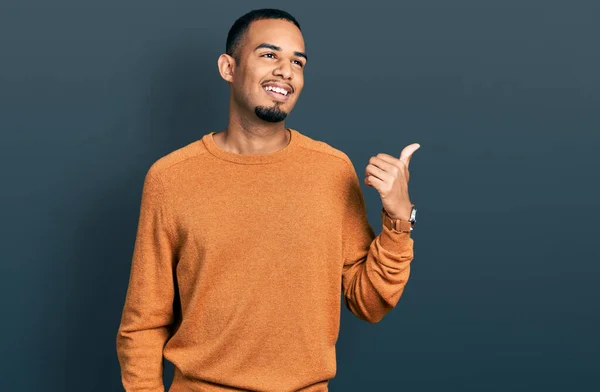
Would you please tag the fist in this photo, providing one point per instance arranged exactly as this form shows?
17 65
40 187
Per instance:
389 176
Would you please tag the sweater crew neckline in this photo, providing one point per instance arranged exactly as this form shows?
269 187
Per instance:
249 159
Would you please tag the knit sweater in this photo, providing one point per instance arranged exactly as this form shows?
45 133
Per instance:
240 265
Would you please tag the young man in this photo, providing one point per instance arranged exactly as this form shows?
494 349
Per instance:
248 238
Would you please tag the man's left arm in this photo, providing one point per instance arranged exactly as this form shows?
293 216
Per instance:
376 268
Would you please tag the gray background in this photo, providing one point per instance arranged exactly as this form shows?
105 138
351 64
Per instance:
502 96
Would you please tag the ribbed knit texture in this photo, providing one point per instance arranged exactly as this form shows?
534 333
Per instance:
240 265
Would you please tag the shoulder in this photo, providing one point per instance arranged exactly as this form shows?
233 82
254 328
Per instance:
327 151
167 162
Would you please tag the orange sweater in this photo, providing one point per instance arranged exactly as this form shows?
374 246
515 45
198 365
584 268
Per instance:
240 263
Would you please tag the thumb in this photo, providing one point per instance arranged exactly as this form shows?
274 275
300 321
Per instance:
407 152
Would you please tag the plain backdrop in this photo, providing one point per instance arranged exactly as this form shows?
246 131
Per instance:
503 97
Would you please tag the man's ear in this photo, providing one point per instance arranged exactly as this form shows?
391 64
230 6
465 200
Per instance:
226 65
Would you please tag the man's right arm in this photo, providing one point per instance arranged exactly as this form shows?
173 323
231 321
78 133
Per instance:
148 310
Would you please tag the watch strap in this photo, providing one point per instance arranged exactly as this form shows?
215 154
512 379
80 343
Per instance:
399 225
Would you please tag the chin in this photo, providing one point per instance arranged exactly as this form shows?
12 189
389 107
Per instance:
271 114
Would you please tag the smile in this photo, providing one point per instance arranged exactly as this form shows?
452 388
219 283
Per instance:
277 93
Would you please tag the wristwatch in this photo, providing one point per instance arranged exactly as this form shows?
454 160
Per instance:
399 224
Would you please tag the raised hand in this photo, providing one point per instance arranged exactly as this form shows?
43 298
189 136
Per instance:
389 176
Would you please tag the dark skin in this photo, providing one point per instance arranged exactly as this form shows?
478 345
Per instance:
279 61
273 50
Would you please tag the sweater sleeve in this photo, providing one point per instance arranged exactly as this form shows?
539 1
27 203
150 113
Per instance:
375 269
148 311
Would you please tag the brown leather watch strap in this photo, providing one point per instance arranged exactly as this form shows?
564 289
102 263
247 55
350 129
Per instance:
395 224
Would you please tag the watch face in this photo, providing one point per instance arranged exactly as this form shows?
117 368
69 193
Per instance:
413 215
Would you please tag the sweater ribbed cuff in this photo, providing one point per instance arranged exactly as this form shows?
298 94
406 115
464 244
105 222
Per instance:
394 241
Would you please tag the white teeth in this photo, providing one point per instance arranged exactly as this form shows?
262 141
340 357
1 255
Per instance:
277 90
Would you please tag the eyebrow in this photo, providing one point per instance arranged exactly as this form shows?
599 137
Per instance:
274 47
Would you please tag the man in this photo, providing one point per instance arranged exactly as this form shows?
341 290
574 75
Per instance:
248 238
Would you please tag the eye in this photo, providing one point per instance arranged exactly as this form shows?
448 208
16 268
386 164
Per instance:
273 54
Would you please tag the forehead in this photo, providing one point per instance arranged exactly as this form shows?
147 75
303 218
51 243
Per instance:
279 32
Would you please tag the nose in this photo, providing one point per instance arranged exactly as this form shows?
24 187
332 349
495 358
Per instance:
284 70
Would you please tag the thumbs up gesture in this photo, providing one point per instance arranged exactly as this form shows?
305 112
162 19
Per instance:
389 176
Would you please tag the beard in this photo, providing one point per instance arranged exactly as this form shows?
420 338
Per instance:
270 114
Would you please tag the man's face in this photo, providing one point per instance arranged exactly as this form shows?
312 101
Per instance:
270 75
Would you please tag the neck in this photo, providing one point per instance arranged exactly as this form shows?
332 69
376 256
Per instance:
244 136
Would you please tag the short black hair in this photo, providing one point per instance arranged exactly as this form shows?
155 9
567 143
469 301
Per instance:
241 25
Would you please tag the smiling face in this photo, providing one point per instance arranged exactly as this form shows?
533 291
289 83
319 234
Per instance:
269 77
